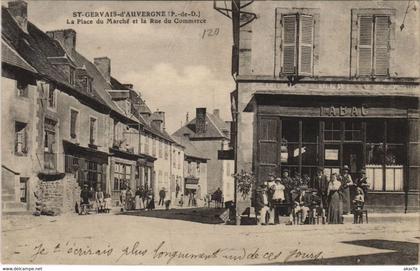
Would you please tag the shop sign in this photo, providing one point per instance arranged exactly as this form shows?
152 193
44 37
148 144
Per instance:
331 154
344 111
190 186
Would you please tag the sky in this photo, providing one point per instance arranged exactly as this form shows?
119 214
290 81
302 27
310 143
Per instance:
173 67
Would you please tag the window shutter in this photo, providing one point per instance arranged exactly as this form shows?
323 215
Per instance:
306 33
289 44
365 45
381 53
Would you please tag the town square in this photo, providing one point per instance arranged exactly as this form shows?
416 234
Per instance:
222 132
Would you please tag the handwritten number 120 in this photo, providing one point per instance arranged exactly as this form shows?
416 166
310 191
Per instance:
210 32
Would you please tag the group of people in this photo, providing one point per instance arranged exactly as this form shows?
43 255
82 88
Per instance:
327 198
93 200
141 199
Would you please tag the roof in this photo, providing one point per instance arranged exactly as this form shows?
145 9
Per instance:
11 57
190 150
215 129
36 47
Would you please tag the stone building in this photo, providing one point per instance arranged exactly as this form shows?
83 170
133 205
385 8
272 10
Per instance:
208 133
329 84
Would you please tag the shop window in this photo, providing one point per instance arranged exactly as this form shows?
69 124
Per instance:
23 189
290 130
309 154
375 131
395 130
332 130
122 176
352 130
310 131
21 135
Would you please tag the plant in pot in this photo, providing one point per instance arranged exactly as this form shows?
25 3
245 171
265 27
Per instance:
245 182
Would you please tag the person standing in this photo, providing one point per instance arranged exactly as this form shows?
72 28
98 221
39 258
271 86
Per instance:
347 184
271 187
84 200
137 199
100 199
363 183
123 196
162 194
129 199
320 183
335 204
261 203
278 198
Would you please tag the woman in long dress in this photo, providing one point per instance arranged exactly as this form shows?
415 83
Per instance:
138 200
335 206
347 184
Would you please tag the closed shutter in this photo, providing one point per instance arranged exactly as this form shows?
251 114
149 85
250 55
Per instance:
306 28
289 44
365 45
381 54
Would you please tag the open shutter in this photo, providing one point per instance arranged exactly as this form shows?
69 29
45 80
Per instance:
306 34
381 53
365 45
267 144
289 44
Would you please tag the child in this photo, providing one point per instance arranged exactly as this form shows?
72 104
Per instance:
358 202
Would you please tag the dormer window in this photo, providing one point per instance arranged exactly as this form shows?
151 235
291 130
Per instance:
71 76
83 79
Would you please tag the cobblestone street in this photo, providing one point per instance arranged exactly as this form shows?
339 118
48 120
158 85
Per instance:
115 239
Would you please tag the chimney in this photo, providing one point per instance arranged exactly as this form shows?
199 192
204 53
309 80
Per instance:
66 37
104 66
19 10
158 120
216 112
200 120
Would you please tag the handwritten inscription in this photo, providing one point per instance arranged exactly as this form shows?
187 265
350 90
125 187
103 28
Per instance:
166 254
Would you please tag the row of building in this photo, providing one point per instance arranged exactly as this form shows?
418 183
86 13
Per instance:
66 122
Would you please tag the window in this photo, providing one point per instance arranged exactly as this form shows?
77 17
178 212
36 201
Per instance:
92 130
166 151
160 149
21 147
146 145
73 123
49 144
51 97
179 160
386 154
88 84
154 147
71 76
122 176
22 88
23 189
297 44
373 45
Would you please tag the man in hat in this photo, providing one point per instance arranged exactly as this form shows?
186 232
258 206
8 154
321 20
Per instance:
320 183
261 203
302 203
317 205
347 183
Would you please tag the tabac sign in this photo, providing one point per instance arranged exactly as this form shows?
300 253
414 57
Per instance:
344 111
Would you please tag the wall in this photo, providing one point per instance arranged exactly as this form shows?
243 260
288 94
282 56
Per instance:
162 165
208 149
334 36
177 169
22 109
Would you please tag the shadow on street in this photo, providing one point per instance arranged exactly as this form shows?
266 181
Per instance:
199 215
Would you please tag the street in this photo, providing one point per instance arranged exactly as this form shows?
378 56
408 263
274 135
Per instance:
132 239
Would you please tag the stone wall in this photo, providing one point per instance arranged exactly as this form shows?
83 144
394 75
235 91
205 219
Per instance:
59 196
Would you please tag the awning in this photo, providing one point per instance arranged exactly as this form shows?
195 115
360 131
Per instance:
87 153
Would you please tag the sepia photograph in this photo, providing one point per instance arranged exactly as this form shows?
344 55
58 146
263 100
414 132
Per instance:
213 132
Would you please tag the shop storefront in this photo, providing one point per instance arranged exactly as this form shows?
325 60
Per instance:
378 134
88 165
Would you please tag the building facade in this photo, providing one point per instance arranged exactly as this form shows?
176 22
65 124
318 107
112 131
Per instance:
209 134
329 84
